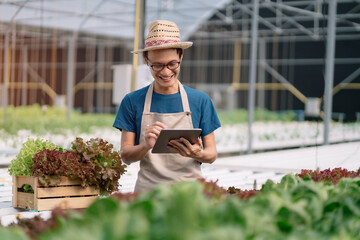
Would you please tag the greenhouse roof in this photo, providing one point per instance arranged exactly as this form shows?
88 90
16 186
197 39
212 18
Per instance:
112 18
215 19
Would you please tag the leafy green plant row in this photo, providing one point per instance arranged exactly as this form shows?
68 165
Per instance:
41 120
293 209
241 116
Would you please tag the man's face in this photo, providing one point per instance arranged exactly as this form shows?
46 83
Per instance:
165 79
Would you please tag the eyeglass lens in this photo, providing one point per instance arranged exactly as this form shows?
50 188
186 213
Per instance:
170 65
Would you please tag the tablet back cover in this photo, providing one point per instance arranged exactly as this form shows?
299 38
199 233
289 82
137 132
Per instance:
169 134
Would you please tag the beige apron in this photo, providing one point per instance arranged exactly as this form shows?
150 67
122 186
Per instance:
165 168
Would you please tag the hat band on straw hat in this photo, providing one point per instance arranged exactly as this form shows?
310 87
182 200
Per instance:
159 42
163 34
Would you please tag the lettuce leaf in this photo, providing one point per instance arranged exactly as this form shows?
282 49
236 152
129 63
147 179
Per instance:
23 161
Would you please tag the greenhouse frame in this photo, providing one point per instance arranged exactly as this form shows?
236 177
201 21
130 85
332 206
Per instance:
273 54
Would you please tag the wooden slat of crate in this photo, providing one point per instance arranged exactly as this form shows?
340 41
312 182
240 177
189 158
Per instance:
15 193
64 181
21 180
65 194
65 203
25 200
66 191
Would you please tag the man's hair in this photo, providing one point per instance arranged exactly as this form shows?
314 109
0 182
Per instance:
179 51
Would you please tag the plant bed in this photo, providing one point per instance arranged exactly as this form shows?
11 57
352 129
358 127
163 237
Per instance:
66 194
294 209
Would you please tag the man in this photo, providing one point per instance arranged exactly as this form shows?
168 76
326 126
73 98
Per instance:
166 103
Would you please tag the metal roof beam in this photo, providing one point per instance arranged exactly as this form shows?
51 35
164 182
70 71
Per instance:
293 9
96 8
18 10
261 20
57 11
295 23
223 17
267 32
307 2
273 19
355 9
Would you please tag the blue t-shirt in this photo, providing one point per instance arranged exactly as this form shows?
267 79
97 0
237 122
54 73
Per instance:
203 113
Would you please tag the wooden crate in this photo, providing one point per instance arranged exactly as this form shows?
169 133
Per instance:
67 194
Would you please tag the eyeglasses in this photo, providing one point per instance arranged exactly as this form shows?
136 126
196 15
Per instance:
159 67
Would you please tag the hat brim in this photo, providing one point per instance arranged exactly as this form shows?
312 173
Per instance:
182 45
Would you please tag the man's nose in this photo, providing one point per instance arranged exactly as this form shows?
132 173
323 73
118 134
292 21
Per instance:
166 70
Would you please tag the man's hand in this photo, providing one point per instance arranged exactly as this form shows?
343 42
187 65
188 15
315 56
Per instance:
152 132
186 148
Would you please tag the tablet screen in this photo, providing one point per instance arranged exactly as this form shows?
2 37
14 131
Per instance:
169 134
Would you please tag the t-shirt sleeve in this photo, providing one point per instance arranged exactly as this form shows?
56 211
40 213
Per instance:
125 117
209 121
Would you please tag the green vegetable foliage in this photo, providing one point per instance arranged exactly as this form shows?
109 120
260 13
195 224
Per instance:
23 161
292 209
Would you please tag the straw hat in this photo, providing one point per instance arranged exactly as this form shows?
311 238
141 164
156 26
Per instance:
163 34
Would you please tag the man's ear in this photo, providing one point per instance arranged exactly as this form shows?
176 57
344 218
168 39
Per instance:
145 60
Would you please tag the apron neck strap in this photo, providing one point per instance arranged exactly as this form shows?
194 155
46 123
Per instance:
183 95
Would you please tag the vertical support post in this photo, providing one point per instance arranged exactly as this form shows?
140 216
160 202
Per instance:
6 74
142 27
318 7
100 77
279 14
24 89
262 57
12 66
329 71
53 64
231 98
252 76
70 75
237 62
138 20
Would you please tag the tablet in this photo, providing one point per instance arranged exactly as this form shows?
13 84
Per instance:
169 134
